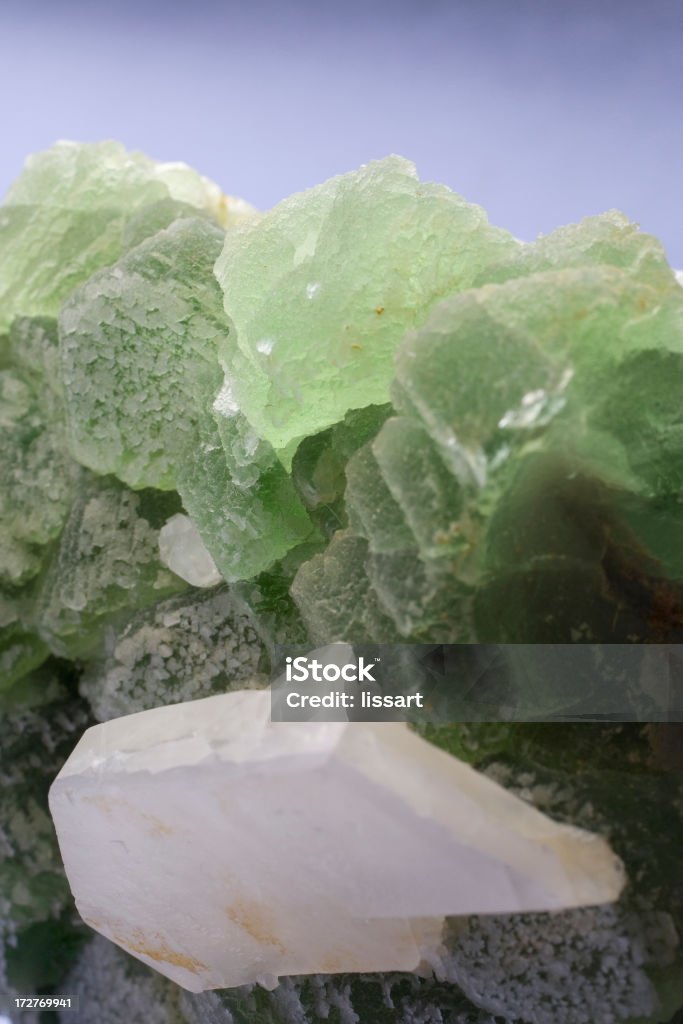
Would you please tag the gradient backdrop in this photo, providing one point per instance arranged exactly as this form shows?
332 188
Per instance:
540 111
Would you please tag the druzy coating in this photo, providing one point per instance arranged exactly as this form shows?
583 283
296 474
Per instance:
144 332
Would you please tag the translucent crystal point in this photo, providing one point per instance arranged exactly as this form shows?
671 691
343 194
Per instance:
220 848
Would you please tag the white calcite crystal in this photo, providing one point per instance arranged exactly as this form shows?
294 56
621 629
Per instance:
221 848
183 551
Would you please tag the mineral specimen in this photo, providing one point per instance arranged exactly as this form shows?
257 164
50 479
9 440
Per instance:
282 851
364 415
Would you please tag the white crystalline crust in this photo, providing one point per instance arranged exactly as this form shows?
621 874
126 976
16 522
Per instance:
182 649
223 849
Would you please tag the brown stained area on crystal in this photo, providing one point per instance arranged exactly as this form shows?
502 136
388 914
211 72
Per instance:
333 965
158 949
156 826
256 920
153 825
105 803
346 959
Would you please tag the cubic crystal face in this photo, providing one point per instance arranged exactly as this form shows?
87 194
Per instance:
222 848
315 330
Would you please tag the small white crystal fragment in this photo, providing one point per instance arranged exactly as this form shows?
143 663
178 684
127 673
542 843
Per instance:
183 551
222 848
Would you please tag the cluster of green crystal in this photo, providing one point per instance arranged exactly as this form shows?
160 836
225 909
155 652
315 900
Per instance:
387 420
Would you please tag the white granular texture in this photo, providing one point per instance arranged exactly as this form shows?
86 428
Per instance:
112 987
182 649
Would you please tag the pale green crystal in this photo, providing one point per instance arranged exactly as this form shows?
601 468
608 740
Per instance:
609 239
36 477
542 339
142 335
34 349
373 512
433 512
64 218
335 598
245 528
145 333
155 217
321 289
21 649
430 603
511 379
318 469
106 565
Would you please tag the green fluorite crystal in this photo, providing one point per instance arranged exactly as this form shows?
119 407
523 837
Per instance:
105 565
36 478
21 649
144 333
532 460
66 216
321 289
246 527
387 420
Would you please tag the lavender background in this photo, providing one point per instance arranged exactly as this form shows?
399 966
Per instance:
541 111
